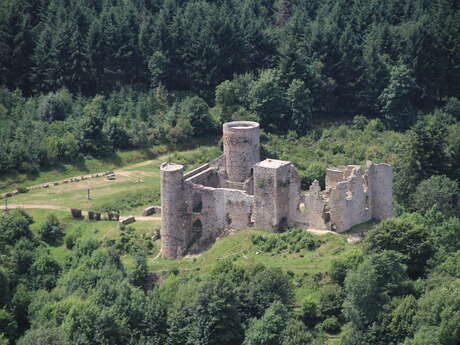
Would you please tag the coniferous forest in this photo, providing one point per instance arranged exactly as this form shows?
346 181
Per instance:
332 82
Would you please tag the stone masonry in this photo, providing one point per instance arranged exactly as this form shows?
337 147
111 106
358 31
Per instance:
238 191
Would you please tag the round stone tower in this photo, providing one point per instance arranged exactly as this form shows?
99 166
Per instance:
241 149
174 224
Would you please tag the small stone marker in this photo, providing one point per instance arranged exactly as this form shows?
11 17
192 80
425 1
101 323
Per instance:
76 213
93 215
148 211
127 220
113 216
45 185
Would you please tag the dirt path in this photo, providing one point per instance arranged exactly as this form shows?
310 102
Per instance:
48 207
53 207
122 171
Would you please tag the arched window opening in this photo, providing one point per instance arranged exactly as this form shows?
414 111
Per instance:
301 207
197 203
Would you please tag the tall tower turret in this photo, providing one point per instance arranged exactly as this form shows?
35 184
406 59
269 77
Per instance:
175 221
241 149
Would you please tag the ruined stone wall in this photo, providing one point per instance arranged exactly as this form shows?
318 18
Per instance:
175 220
236 191
271 195
241 149
238 209
205 204
208 177
380 185
214 212
333 176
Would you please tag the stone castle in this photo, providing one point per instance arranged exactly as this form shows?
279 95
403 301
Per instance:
238 191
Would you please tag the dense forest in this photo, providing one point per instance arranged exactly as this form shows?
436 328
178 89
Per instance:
89 77
332 82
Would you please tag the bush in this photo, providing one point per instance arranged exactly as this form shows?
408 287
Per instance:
331 298
330 325
309 313
51 230
294 240
439 192
55 106
70 241
452 107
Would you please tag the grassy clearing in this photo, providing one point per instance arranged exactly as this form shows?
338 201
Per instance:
189 150
81 167
136 186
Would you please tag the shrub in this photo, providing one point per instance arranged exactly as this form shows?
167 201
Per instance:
437 191
309 312
330 325
294 240
51 230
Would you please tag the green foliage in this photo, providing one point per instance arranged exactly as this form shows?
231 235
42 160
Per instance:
452 107
51 230
268 330
294 241
437 318
51 336
14 226
296 334
309 312
330 301
44 272
372 284
330 325
407 236
55 107
438 192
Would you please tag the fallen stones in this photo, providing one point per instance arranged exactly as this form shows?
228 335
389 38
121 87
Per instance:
76 213
127 220
45 185
93 215
6 195
113 216
148 211
151 210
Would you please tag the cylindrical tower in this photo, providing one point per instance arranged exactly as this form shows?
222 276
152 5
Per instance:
241 149
174 225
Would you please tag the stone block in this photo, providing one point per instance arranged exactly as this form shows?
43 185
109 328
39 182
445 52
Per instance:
93 215
127 220
148 211
76 213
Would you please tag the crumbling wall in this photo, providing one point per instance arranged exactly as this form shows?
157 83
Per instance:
349 200
207 177
316 208
238 209
206 205
333 176
380 185
236 191
241 149
271 194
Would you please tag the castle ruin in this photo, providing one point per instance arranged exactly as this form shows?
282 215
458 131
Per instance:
238 191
